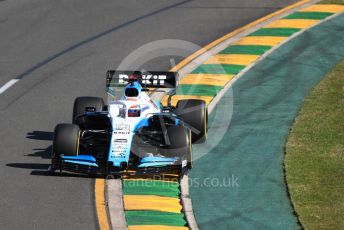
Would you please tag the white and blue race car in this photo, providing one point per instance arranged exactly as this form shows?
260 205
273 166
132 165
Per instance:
133 132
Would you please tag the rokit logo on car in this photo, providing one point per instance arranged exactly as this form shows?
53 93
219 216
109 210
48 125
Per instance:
146 79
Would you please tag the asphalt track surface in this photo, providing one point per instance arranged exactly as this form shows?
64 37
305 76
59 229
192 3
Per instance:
61 50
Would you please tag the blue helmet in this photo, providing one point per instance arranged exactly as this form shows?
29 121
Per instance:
133 89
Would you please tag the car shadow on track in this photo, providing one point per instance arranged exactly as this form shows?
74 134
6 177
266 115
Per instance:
42 136
41 169
35 166
63 174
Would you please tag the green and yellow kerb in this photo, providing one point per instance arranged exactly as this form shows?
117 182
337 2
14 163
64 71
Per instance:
212 75
153 204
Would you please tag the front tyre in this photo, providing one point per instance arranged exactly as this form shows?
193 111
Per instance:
194 114
66 140
178 142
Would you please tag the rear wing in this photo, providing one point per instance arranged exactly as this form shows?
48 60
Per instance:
148 79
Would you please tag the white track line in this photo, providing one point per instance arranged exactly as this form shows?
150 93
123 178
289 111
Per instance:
8 85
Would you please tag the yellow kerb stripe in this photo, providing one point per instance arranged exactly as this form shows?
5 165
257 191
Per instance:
207 79
176 98
155 227
235 32
324 8
234 59
292 23
101 205
151 202
260 40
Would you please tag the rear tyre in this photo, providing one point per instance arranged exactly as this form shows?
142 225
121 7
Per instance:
178 143
66 140
81 103
194 113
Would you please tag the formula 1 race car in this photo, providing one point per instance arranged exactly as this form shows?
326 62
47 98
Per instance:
133 132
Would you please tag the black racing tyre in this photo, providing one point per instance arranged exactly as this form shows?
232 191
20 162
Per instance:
66 140
81 103
195 114
178 142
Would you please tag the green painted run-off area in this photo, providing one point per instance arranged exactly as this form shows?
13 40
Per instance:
266 100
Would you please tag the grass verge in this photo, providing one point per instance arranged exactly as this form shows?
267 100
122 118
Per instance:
314 159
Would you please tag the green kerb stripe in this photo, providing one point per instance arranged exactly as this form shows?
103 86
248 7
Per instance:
150 187
198 90
246 49
218 69
309 15
281 32
154 218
